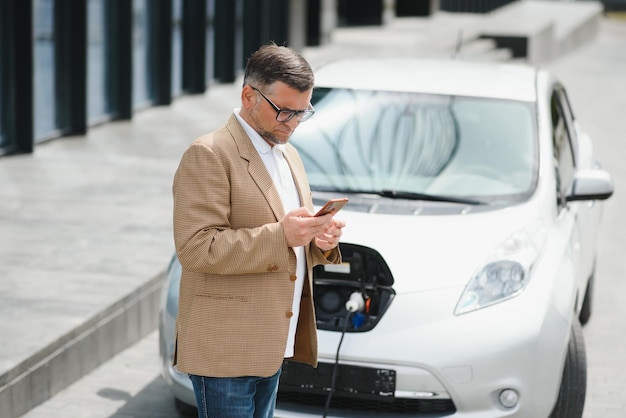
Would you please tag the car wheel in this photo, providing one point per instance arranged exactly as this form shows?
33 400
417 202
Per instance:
585 310
571 400
185 409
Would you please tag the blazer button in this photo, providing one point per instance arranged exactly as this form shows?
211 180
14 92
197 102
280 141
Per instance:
289 314
293 277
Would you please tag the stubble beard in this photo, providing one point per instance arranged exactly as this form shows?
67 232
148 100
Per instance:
271 138
268 136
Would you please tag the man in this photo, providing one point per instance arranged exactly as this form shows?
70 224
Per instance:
247 240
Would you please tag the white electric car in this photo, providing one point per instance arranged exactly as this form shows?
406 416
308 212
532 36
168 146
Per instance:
469 251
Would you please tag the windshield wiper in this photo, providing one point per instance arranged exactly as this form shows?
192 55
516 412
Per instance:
395 194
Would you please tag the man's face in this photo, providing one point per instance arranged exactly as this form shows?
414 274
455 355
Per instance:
261 115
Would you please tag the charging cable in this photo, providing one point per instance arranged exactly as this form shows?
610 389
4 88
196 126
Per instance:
356 303
335 366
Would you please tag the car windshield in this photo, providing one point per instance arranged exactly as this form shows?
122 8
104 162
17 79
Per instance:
416 146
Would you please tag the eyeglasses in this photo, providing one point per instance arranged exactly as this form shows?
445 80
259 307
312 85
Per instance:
287 115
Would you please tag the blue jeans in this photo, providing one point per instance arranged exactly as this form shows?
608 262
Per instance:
235 397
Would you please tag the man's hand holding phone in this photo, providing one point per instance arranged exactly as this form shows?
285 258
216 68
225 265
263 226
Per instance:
301 228
329 239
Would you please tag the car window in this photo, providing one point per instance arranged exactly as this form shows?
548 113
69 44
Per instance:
433 144
569 121
562 146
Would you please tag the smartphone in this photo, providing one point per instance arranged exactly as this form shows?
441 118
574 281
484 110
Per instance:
332 206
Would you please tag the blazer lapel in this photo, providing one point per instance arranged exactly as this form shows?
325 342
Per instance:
256 167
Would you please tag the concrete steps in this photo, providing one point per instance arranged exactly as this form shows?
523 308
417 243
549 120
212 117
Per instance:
483 49
542 30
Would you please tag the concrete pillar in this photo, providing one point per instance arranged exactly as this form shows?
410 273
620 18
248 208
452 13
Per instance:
297 24
328 20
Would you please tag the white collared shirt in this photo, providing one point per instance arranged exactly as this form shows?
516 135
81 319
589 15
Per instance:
274 159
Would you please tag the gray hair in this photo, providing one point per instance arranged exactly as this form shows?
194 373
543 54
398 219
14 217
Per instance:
272 63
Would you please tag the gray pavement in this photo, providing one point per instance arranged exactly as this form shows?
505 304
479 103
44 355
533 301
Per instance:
128 385
596 76
86 233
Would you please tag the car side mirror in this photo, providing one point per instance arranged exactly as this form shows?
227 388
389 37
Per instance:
593 184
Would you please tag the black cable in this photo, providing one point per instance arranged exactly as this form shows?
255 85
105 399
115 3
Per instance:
335 366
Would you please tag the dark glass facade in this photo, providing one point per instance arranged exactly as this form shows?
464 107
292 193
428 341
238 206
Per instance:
3 136
177 48
98 88
66 65
44 69
142 94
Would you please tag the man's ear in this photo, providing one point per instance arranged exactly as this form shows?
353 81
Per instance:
248 96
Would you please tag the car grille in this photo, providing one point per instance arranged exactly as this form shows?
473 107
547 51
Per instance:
415 407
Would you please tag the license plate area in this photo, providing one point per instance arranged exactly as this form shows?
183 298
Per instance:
351 381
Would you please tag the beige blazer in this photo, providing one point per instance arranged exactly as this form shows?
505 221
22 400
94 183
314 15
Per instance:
238 276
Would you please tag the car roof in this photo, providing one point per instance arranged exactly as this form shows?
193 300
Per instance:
433 76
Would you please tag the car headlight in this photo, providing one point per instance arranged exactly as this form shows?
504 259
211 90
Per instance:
503 277
496 282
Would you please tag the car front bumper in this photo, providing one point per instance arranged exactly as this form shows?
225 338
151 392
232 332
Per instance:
469 359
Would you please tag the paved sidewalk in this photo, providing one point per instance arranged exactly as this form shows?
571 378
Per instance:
86 221
128 385
596 76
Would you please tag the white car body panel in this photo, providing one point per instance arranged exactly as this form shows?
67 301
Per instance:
418 249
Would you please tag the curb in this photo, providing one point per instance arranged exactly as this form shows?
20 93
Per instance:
77 353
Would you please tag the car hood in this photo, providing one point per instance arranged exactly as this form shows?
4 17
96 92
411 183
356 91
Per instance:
433 252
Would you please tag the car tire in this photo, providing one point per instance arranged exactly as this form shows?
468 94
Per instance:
185 409
585 310
571 400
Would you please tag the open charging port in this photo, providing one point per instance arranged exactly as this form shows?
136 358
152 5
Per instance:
363 273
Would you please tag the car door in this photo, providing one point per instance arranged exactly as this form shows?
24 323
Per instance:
576 215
